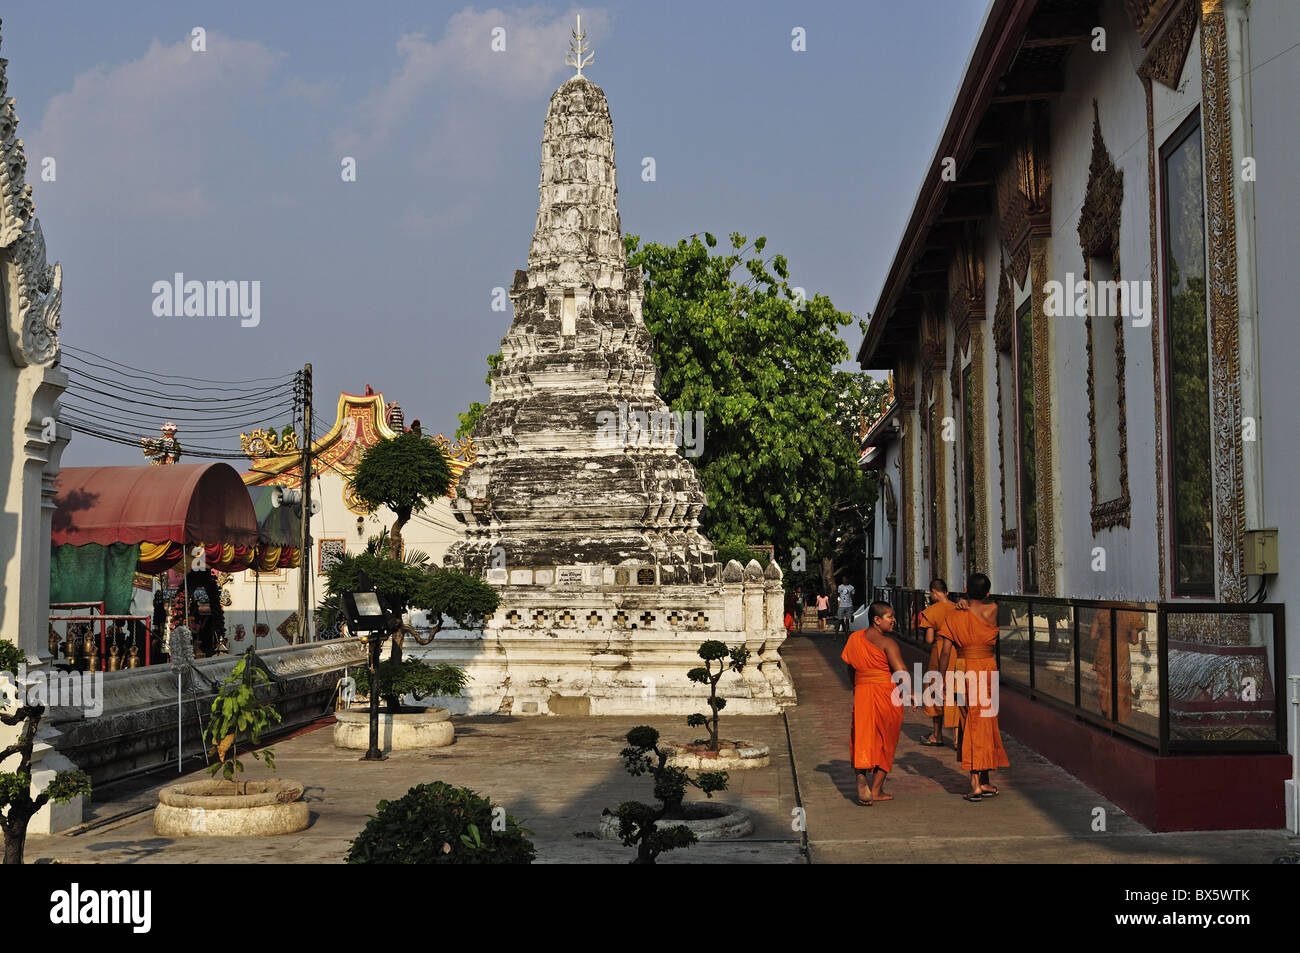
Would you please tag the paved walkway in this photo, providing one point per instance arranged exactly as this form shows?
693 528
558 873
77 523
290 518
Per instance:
558 773
555 773
1041 815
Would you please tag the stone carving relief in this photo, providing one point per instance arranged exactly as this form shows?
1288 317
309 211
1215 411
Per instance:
33 288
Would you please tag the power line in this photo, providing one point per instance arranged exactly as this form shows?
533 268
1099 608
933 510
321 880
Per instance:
269 392
181 377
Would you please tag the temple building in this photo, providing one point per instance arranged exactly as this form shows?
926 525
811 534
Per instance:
263 605
32 383
581 509
1088 323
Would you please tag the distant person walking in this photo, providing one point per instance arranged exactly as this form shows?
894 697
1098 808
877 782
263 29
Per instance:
845 611
799 603
973 633
873 658
823 609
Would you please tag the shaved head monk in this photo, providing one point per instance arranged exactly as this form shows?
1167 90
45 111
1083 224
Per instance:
873 657
972 632
932 620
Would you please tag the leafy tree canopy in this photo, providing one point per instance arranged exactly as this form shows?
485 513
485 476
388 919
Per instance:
738 342
404 474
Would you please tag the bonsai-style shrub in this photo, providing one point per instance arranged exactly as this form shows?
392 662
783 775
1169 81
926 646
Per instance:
639 824
409 583
404 474
733 659
17 806
412 677
236 710
441 824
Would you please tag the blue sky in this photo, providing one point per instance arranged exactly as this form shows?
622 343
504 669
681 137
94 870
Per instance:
225 165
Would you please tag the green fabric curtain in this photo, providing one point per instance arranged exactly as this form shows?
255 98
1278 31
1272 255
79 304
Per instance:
94 573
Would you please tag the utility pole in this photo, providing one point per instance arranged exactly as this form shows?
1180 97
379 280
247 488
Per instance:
304 562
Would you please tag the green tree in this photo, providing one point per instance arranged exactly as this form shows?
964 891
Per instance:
17 806
738 342
471 416
235 709
405 474
409 583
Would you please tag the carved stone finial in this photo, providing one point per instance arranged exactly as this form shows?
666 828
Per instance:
753 571
732 572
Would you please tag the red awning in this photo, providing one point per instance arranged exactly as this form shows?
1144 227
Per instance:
182 503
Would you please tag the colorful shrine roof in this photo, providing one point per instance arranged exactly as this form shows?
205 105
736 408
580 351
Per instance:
362 421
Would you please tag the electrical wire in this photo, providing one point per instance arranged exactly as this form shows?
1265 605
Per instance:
181 377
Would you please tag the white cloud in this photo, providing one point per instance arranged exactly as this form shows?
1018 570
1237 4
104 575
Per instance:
463 60
133 138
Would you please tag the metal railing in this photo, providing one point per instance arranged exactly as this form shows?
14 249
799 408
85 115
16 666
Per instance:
1173 676
94 625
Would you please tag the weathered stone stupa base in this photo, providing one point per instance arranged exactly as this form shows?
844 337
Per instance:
617 651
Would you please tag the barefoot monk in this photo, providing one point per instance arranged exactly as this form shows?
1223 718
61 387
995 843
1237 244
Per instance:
877 717
972 633
932 621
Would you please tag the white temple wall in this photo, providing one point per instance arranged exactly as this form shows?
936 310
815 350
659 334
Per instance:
1130 553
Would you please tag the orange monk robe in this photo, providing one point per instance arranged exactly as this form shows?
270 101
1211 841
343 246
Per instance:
981 741
876 719
932 618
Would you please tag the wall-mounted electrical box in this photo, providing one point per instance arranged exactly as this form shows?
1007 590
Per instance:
1260 555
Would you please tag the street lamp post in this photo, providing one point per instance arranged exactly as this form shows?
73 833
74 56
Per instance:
367 613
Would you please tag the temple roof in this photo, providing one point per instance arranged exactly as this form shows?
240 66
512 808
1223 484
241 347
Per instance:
362 420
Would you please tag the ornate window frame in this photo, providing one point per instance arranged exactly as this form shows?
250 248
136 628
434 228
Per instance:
1099 223
1002 345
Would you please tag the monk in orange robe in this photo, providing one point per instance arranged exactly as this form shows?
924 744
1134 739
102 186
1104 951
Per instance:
973 633
1129 625
877 708
932 620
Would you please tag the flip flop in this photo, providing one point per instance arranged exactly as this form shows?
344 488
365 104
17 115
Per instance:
863 803
973 798
934 744
993 793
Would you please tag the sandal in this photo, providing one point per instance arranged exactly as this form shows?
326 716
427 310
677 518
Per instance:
993 793
931 742
973 798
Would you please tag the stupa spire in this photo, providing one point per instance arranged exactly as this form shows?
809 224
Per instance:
578 57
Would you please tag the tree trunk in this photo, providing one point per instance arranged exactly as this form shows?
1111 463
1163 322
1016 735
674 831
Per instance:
15 837
395 536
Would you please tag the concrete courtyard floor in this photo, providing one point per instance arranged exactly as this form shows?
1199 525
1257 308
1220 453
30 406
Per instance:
558 773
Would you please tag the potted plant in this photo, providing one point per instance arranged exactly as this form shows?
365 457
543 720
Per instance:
441 824
17 806
403 727
227 807
713 751
648 828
